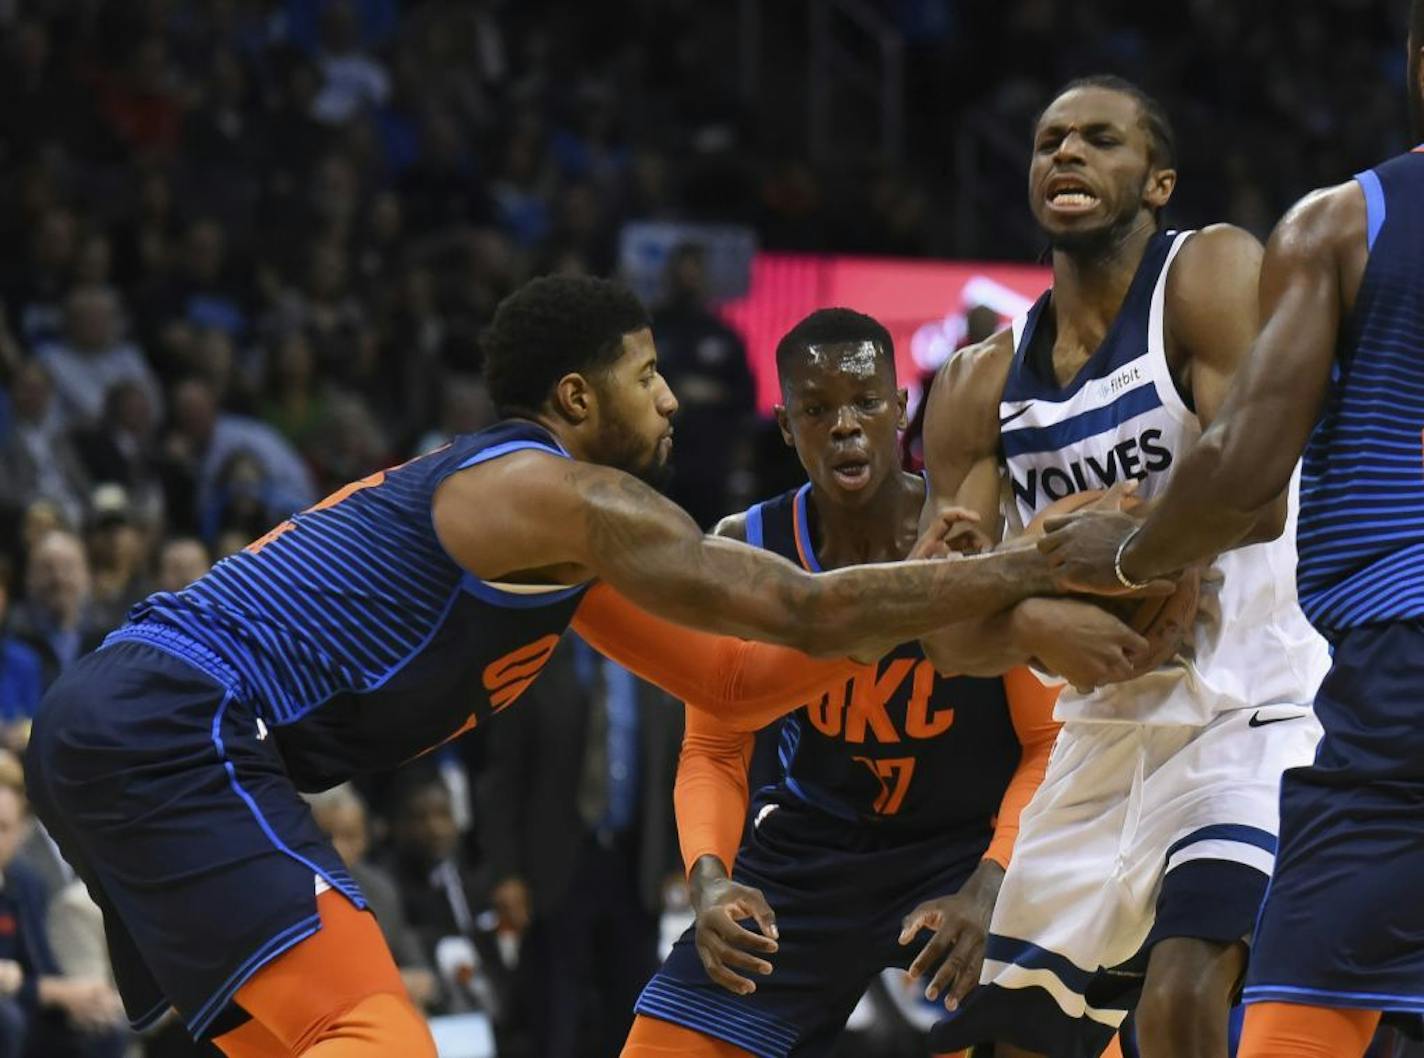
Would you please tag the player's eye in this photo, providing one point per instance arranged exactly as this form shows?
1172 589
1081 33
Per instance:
869 403
813 410
1105 141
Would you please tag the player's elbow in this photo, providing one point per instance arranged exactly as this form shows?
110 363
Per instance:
1270 521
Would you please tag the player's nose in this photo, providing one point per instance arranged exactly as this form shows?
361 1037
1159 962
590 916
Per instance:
666 402
846 424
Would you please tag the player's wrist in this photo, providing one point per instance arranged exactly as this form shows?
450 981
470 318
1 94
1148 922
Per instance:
1128 571
708 875
1031 573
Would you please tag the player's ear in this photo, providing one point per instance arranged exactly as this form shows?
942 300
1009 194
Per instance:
574 398
783 424
902 398
1160 185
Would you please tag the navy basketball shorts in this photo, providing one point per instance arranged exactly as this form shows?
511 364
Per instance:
840 891
164 792
1343 920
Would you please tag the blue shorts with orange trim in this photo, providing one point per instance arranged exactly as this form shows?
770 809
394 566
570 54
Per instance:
840 891
1343 925
148 766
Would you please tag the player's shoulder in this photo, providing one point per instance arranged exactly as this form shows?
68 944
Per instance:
732 527
1216 273
1323 220
1215 256
979 371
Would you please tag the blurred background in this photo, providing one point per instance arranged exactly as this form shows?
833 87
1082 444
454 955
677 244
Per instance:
250 246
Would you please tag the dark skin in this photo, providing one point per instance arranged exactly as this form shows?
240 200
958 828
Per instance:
1095 188
1309 280
540 519
841 414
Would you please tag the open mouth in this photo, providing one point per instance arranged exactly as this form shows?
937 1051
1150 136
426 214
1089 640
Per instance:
1071 196
852 474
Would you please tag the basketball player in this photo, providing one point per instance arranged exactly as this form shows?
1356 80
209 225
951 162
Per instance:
1148 847
1337 372
395 614
883 818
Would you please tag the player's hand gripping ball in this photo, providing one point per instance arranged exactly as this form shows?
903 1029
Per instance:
1163 620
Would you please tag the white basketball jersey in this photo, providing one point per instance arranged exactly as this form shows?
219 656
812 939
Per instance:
1122 417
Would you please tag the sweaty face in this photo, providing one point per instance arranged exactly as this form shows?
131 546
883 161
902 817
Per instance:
841 414
635 410
1092 174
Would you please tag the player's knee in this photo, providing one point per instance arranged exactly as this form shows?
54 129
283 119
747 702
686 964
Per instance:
1182 1014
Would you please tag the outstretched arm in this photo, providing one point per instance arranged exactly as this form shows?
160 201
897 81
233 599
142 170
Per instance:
531 514
746 684
1245 460
711 795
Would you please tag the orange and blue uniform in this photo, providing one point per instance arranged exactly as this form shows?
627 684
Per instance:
167 764
894 784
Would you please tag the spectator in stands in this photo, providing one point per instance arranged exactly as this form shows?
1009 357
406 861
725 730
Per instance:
295 399
118 555
353 81
446 902
575 817
181 560
123 449
34 289
55 617
465 407
21 672
200 290
203 443
705 363
341 814
43 1012
37 459
93 355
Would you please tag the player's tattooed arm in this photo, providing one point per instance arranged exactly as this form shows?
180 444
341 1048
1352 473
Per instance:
651 551
543 519
1244 461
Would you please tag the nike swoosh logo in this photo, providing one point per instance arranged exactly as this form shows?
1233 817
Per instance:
1016 415
1256 720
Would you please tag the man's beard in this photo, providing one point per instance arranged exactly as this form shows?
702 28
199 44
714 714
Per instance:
1098 242
626 452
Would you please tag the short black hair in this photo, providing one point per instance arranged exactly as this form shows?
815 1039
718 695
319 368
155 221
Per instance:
1153 115
1416 23
834 326
551 327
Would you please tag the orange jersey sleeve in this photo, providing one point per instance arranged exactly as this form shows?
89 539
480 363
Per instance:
711 794
1031 710
746 685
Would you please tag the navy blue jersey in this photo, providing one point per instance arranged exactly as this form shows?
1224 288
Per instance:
1361 532
897 744
361 642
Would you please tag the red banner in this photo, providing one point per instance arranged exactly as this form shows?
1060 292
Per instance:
921 303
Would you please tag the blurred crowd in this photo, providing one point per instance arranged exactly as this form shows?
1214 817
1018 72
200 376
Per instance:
251 246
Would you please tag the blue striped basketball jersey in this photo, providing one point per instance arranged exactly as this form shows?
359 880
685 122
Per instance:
1124 417
897 744
1361 532
360 642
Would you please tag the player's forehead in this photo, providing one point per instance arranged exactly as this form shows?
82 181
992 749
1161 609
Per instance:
857 361
1091 106
639 352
